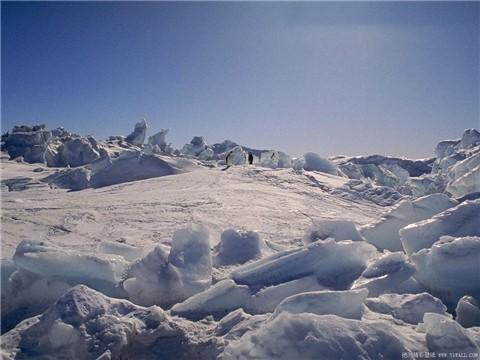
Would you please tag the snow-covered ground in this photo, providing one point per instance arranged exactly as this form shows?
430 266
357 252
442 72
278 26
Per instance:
279 204
140 252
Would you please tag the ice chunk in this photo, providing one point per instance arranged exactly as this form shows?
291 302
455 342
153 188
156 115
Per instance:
27 294
159 140
413 167
46 260
358 190
384 233
445 335
218 300
137 137
298 164
77 152
385 274
190 252
268 298
313 162
195 147
7 268
470 138
445 148
284 160
229 321
407 307
165 279
333 263
450 268
73 179
85 324
29 142
347 304
335 229
309 336
237 247
128 252
466 184
463 167
236 156
468 312
461 220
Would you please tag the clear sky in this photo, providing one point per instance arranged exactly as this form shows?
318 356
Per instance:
334 78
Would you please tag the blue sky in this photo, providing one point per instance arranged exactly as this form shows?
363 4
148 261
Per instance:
334 78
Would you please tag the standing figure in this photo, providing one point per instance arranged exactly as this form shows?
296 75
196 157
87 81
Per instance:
228 157
250 158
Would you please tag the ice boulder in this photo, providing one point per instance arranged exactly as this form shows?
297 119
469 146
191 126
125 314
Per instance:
237 247
73 179
195 147
384 233
445 335
159 140
29 142
230 320
298 164
445 148
163 278
99 271
330 337
385 274
470 138
463 167
27 294
128 252
407 307
267 299
236 156
137 137
275 159
465 184
335 229
334 264
468 311
347 304
313 162
85 324
77 152
462 220
450 269
220 299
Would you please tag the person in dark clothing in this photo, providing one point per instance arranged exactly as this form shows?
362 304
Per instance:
250 158
228 157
